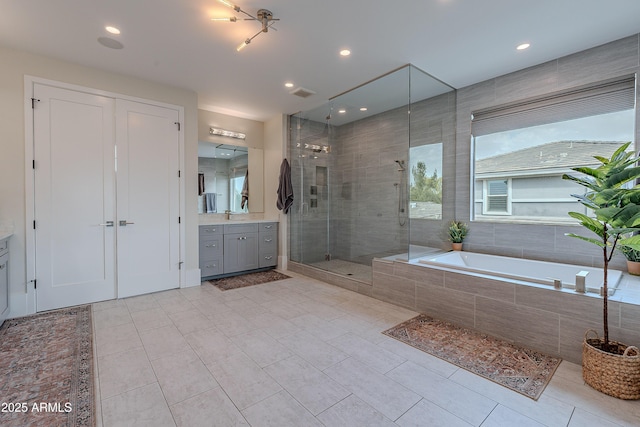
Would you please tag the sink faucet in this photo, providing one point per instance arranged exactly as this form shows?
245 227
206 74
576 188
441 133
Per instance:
580 281
227 214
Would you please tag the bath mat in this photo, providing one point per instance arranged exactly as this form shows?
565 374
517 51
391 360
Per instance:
248 279
523 370
46 369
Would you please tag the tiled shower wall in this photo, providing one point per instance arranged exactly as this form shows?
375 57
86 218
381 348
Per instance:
533 241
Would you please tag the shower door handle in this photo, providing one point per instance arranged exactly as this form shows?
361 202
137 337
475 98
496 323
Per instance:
124 223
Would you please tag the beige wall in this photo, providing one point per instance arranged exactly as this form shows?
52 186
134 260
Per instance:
17 64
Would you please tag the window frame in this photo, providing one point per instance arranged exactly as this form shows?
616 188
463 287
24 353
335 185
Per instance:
486 196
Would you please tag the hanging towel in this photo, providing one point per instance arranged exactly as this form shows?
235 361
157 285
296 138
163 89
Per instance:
245 191
210 202
200 184
285 188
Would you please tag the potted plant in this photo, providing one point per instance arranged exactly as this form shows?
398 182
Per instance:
633 259
610 366
457 232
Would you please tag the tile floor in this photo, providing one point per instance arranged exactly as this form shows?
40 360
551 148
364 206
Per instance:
300 352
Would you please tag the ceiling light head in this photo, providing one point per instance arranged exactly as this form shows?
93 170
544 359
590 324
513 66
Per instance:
112 30
231 5
523 46
363 108
288 84
345 52
243 45
342 111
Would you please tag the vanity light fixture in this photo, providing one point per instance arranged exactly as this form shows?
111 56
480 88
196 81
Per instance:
227 133
264 16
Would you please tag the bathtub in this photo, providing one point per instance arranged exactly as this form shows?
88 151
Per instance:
524 270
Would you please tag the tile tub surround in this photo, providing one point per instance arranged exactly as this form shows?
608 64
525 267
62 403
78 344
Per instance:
545 319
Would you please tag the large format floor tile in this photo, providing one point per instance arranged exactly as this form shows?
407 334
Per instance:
300 352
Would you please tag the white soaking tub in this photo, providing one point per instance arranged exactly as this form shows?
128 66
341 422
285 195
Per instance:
524 270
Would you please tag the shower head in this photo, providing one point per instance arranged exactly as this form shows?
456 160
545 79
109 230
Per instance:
401 165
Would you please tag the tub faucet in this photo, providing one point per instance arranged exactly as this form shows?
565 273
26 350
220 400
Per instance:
580 281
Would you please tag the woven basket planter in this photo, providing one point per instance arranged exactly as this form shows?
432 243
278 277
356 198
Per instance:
617 375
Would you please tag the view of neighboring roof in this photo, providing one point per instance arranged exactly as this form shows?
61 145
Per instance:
559 154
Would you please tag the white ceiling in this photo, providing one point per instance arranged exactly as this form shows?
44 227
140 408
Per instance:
460 42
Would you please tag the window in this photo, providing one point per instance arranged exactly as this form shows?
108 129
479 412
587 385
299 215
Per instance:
521 151
497 197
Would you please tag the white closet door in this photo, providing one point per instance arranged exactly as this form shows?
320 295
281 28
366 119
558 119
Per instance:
74 197
148 198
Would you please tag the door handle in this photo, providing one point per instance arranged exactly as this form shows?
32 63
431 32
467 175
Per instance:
107 224
124 223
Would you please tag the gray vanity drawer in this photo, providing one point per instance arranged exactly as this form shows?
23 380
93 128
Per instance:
4 244
268 227
211 247
211 267
267 259
240 228
210 230
268 242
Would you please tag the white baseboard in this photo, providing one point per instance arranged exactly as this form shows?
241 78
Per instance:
192 278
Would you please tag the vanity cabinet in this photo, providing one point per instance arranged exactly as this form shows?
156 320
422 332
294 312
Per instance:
240 247
233 248
4 279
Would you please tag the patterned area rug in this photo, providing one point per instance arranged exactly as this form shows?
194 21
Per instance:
523 370
46 369
249 279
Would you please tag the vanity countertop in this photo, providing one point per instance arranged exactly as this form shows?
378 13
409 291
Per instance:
218 221
4 233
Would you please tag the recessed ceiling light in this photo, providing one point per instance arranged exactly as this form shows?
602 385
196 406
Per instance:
342 111
523 46
112 30
363 108
345 52
288 84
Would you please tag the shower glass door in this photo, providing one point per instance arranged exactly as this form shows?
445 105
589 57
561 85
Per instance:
310 165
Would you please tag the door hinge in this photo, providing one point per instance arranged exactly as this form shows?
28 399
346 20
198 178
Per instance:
34 224
33 102
178 174
180 265
33 163
177 123
35 284
179 220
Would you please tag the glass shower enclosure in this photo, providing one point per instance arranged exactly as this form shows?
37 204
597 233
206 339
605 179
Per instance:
365 167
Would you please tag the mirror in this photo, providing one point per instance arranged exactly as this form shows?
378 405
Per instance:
222 176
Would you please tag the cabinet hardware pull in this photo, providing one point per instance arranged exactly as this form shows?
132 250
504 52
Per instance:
268 226
124 223
209 246
268 257
210 266
242 238
268 240
209 229
107 224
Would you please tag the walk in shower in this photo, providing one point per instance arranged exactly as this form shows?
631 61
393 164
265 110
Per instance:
367 171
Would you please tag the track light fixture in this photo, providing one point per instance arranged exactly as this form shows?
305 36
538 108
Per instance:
263 16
